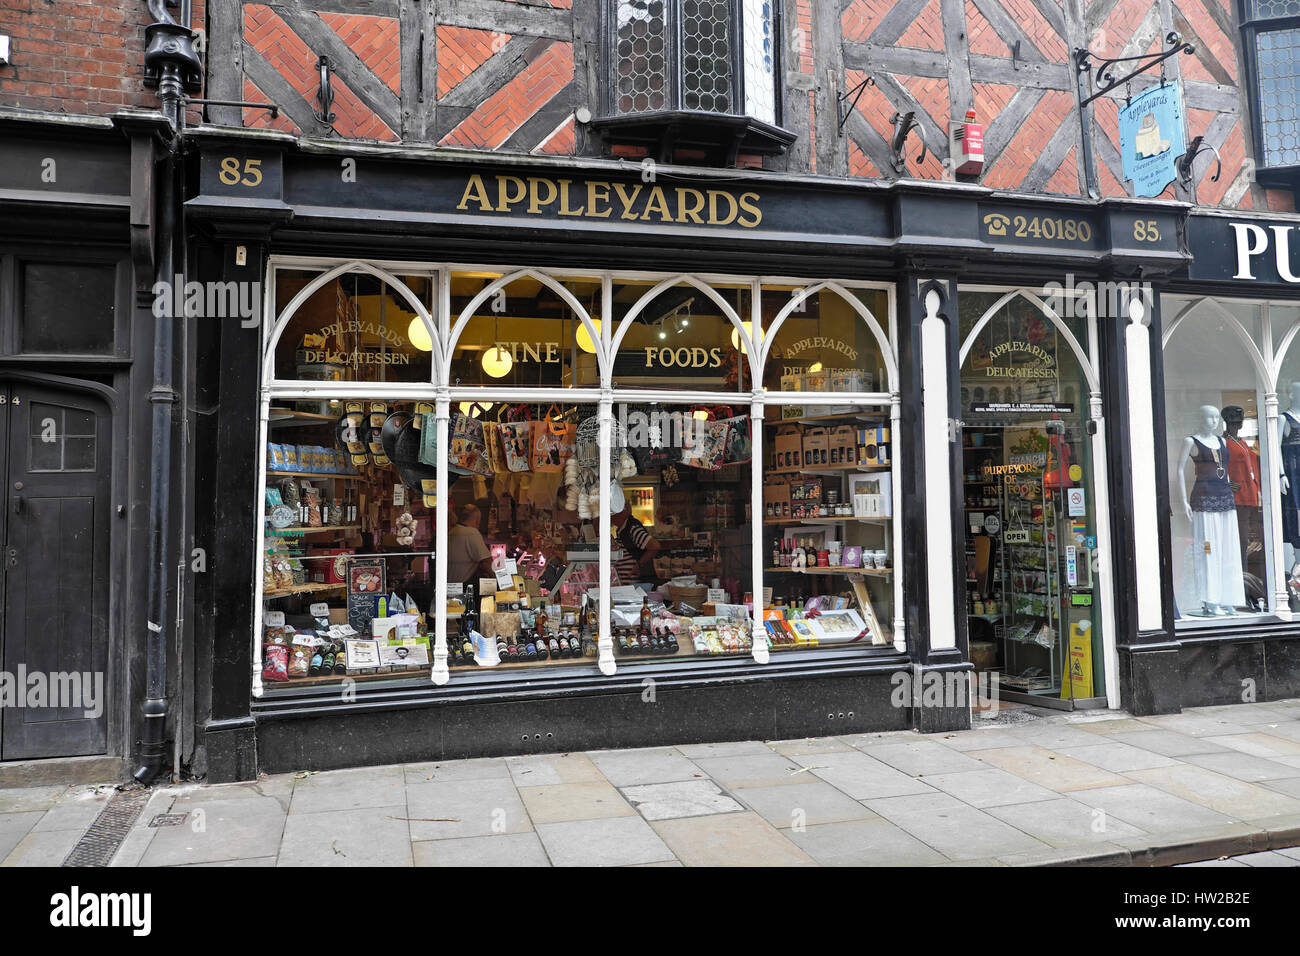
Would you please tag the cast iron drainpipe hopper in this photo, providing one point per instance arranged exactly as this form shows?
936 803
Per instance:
172 67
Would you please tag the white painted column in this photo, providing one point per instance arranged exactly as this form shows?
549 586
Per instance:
259 534
1270 457
1142 471
605 645
938 479
896 559
1104 585
442 415
759 632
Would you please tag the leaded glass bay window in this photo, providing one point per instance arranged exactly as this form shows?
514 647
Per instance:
691 74
1271 44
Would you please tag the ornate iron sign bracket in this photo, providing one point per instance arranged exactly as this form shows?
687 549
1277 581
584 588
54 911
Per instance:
1106 78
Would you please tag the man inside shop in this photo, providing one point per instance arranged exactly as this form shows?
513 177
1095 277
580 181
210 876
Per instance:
468 557
639 547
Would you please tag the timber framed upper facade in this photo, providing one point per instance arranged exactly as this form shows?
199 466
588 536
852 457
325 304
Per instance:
514 76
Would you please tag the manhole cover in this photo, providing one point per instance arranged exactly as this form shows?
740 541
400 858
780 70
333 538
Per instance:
98 844
168 819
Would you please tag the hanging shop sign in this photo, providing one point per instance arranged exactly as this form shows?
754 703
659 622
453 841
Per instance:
1151 138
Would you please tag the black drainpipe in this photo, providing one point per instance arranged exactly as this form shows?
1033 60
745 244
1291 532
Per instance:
173 68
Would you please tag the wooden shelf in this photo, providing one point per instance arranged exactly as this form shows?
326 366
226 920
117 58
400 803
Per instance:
860 416
877 572
827 520
829 470
299 530
311 474
309 416
304 589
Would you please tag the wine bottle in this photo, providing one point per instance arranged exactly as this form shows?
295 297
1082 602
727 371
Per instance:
553 645
340 660
575 644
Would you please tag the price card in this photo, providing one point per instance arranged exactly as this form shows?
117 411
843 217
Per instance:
505 579
399 496
273 619
455 590
319 609
716 595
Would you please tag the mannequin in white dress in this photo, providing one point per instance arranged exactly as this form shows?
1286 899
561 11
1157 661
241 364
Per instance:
1211 508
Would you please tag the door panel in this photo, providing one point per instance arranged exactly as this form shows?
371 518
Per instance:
56 572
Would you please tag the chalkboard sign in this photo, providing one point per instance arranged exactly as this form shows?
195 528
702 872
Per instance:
366 581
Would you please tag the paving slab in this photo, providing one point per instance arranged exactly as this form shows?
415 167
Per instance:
548 769
810 745
364 837
1113 754
1243 766
350 790
966 741
258 861
30 798
682 798
870 842
989 787
1170 743
1194 724
1107 725
1267 858
1057 736
47 848
506 849
1244 801
802 805
1150 809
860 776
464 808
630 768
765 769
484 768
14 826
737 749
963 832
216 829
1051 770
1259 744
574 801
616 841
922 758
732 839
1063 822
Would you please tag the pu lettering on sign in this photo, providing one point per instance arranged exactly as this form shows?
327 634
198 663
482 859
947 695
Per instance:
1253 241
598 199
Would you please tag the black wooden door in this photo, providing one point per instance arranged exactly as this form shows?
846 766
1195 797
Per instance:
55 575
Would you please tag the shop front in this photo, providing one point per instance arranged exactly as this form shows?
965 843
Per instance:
1226 460
559 457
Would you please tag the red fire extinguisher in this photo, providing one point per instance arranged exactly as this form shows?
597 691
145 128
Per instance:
968 153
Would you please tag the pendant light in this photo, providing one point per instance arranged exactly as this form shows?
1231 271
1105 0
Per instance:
497 362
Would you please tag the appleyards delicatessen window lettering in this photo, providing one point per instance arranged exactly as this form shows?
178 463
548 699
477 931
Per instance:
603 199
1016 359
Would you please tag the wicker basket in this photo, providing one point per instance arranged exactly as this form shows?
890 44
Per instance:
692 594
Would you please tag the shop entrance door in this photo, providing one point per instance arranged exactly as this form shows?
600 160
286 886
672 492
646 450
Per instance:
1032 596
54 583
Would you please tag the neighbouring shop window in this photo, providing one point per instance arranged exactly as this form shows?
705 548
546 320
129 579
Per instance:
354 328
1224 479
68 309
1029 496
